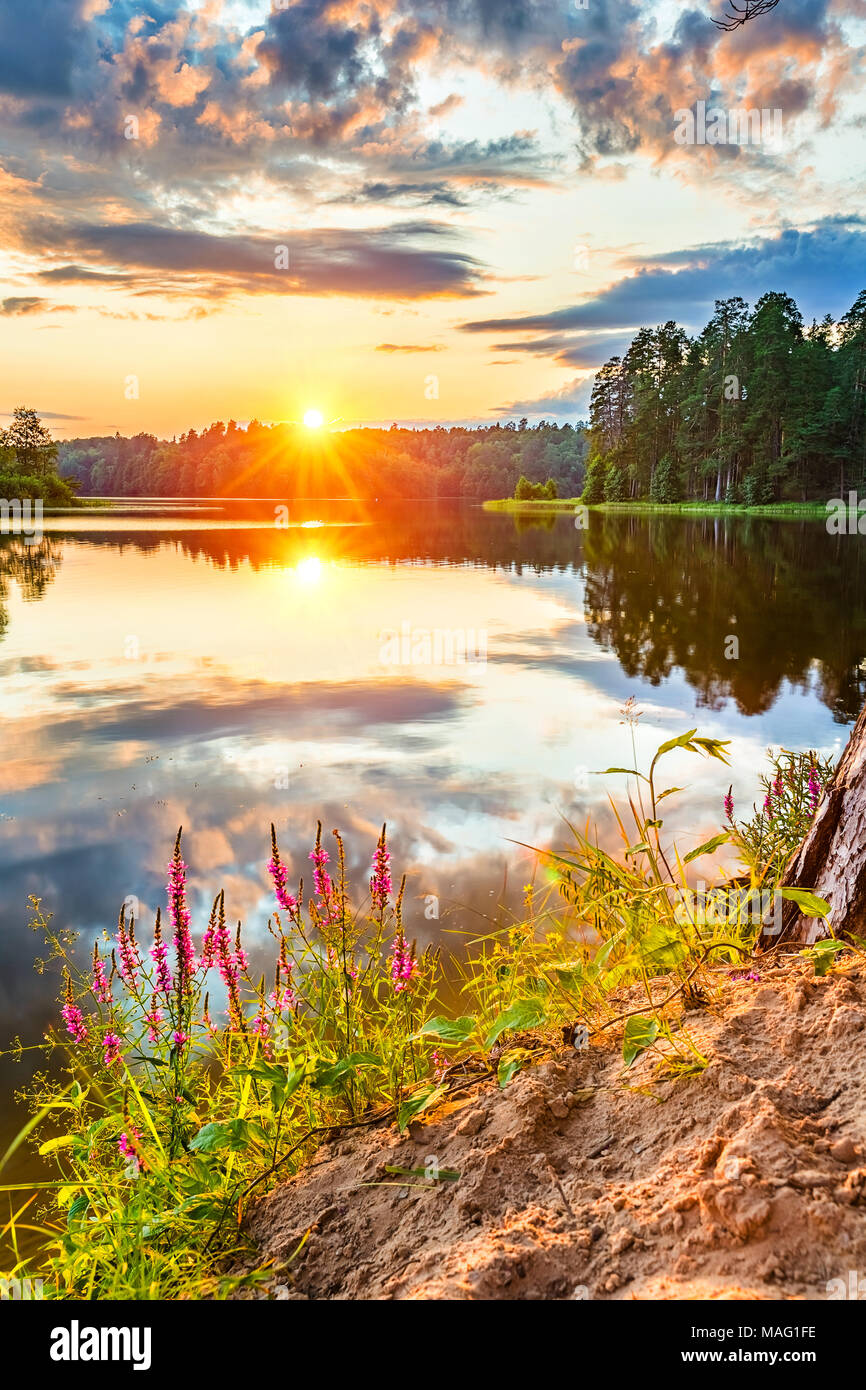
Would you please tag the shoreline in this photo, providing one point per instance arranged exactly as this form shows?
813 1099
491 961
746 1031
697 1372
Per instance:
817 510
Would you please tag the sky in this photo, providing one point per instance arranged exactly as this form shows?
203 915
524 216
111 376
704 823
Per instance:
401 210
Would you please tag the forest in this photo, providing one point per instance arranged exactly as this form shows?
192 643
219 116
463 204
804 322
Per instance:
287 461
755 409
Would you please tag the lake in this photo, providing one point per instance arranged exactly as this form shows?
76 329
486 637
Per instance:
457 673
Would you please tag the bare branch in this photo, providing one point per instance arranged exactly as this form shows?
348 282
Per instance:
741 14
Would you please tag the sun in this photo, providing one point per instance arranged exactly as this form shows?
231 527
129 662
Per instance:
314 419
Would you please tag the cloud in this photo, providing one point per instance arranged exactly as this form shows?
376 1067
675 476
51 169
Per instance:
823 269
18 305
46 415
432 193
585 350
569 402
38 47
374 262
410 347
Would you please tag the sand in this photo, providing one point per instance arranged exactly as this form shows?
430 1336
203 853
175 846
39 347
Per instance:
582 1180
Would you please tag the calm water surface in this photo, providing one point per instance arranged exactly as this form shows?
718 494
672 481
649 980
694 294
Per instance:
213 669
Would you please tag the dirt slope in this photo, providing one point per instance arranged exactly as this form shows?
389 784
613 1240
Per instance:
746 1181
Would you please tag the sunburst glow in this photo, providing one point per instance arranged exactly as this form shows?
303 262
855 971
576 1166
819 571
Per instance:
309 570
314 419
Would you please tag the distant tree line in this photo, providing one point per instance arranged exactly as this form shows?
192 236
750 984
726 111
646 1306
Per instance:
755 409
227 460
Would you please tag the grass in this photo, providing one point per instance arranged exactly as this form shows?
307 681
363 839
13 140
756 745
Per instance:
189 1085
567 504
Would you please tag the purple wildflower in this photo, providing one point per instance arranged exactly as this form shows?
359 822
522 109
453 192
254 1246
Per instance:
240 953
280 874
127 949
321 879
153 1020
814 790
159 956
262 1030
403 964
208 945
283 994
768 807
179 1039
128 1147
73 1017
101 987
380 883
112 1044
228 965
729 805
179 918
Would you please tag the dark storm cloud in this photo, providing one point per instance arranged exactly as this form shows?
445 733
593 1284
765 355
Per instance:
314 56
588 350
39 42
823 270
370 262
420 193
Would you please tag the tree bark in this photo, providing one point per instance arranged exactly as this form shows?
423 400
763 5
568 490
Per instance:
831 861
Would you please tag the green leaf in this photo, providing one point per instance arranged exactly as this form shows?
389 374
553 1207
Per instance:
823 962
709 847
210 1138
629 771
150 1061
681 742
668 792
453 1030
663 948
510 1064
571 976
714 747
63 1141
640 1033
421 1100
524 1013
823 954
641 848
76 1210
809 903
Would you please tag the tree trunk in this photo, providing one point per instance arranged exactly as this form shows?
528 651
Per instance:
831 861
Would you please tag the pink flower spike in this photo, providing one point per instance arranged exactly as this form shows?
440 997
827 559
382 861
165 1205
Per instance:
179 918
101 987
380 883
403 964
159 956
280 874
